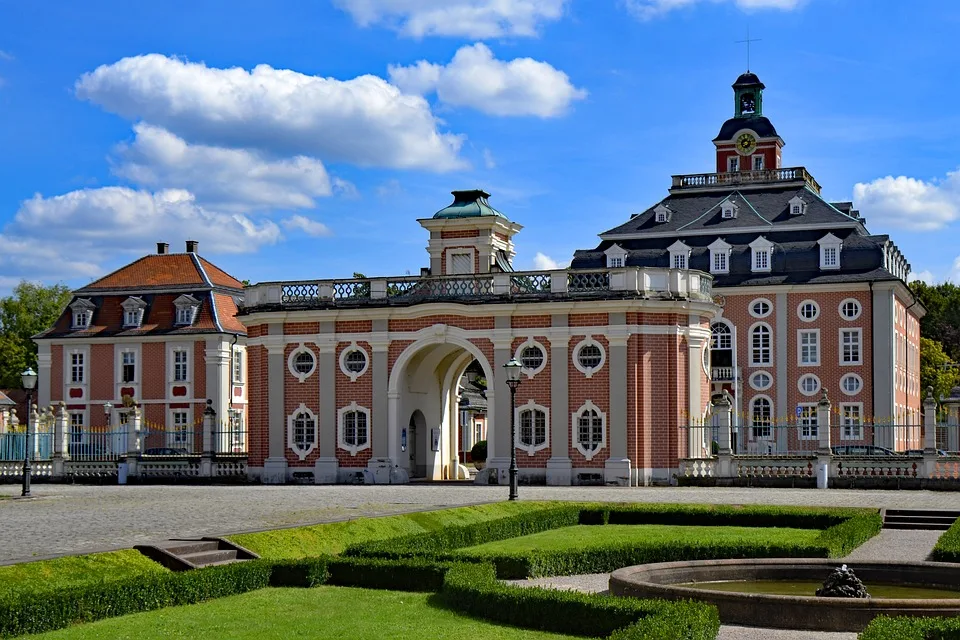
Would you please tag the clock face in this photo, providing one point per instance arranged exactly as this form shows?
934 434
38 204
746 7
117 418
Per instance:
746 143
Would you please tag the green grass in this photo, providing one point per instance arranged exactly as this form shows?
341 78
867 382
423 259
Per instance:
587 537
76 570
320 612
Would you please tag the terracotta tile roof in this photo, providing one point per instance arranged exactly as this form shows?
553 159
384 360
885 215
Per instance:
227 314
5 401
172 269
218 276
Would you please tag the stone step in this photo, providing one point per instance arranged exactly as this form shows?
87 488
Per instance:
204 558
183 555
925 519
923 512
178 548
916 525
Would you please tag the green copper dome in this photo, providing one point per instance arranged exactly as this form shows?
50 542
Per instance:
468 204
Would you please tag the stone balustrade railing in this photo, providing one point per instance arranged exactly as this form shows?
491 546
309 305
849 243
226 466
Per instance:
764 176
405 290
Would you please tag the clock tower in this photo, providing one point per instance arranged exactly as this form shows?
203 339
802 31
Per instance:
747 141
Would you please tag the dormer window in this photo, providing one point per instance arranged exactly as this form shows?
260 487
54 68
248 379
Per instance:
679 255
187 307
728 209
830 246
719 256
82 313
662 213
798 206
616 257
761 259
133 308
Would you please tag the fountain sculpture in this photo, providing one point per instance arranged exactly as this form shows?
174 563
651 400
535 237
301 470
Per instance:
842 583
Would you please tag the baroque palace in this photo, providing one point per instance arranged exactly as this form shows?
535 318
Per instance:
743 282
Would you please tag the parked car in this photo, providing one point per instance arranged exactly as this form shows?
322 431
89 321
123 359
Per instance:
919 452
862 450
166 451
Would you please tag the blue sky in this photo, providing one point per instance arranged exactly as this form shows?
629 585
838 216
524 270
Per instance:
302 139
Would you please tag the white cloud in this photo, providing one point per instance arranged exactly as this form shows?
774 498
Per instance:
488 160
469 18
474 78
649 9
305 225
223 179
910 203
6 55
954 275
364 121
924 276
543 262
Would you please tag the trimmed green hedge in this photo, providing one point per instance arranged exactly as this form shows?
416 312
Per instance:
907 628
718 515
947 548
474 590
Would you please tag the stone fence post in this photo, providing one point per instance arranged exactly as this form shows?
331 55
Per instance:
723 415
929 434
824 453
134 422
952 405
61 443
209 426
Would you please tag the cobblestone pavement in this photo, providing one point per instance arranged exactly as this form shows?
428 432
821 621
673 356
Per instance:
68 519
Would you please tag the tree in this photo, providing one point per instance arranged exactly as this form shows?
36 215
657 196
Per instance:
942 321
31 309
935 369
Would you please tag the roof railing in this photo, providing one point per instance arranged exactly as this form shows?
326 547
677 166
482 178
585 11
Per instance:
694 181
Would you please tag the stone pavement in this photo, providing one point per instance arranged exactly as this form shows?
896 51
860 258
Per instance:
72 519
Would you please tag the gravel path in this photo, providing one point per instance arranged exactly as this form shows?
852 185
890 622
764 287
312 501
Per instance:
896 545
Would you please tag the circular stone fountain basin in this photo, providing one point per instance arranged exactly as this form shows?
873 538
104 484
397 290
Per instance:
708 580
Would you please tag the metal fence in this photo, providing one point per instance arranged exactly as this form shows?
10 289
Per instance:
97 444
164 440
13 446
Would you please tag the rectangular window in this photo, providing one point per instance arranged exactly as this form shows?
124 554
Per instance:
807 421
761 260
808 346
760 346
76 428
461 263
180 369
128 367
181 425
616 263
758 163
720 262
238 366
851 421
679 261
77 369
850 346
185 315
733 164
81 319
830 257
533 428
131 318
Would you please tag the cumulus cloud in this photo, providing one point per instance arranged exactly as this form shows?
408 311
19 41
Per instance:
305 225
475 78
469 18
364 121
650 9
543 262
910 203
223 179
924 276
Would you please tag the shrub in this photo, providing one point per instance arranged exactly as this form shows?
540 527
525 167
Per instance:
906 628
412 574
947 548
844 537
479 451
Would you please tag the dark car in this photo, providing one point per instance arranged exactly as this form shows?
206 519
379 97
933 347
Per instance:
166 451
862 450
919 452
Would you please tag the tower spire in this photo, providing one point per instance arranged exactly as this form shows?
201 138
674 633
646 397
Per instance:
748 41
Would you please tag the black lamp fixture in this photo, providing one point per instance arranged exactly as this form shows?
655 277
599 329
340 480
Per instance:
513 369
29 380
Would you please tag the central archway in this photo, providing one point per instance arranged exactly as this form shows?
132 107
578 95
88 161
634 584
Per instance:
424 380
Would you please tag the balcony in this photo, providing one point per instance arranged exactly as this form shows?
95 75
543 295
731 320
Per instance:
722 374
765 177
627 282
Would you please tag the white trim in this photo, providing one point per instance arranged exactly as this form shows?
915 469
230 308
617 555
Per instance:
844 302
816 308
813 430
757 315
805 377
760 246
353 375
854 376
751 406
171 435
852 224
118 368
186 303
753 161
588 340
843 426
859 360
662 213
136 306
449 252
302 454
728 209
342 428
239 357
832 242
753 361
613 253
531 449
731 161
755 375
171 350
818 345
531 342
679 252
291 359
719 248
797 201
82 308
575 428
84 350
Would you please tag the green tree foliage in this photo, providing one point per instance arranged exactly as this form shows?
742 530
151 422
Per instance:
942 322
31 309
936 369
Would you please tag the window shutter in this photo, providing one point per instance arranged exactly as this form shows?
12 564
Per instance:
462 263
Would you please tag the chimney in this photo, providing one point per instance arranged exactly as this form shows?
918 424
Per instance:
192 246
163 248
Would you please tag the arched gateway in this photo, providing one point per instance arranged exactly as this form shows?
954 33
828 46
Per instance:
357 380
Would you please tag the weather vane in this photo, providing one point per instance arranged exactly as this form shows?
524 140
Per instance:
748 41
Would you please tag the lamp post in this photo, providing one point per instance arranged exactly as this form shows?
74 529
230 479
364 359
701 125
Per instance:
29 380
107 415
513 381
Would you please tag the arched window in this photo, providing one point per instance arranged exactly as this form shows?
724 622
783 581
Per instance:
302 431
760 354
532 427
761 417
721 337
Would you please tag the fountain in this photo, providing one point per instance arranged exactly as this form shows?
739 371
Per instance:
791 593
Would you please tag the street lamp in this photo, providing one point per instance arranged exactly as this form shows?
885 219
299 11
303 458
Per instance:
513 381
29 380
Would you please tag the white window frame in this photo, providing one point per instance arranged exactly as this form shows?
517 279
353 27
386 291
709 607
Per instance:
302 453
719 256
716 338
172 350
292 358
134 352
754 162
350 348
679 255
755 434
816 310
84 426
830 241
733 164
846 432
844 303
815 346
808 420
728 210
795 202
589 340
761 251
174 434
133 308
851 376
767 362
342 412
84 354
753 313
186 310
753 380
575 429
808 376
532 448
460 251
616 256
238 375
82 312
662 213
531 342
859 332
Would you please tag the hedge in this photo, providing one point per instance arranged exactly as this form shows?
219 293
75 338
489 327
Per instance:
947 548
474 590
718 515
908 628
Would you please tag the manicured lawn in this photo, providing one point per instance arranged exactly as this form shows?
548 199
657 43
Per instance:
320 612
75 570
587 537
